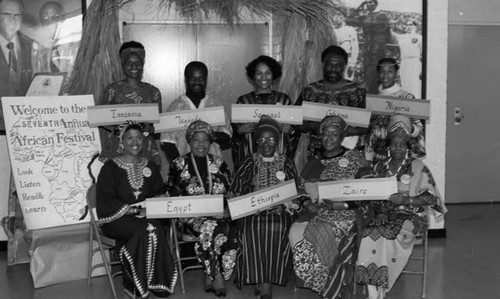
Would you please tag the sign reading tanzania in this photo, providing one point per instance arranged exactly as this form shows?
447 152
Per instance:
50 145
106 115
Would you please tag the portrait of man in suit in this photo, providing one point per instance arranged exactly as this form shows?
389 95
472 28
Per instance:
16 69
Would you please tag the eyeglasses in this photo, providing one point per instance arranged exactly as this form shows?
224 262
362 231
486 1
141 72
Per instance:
7 15
269 140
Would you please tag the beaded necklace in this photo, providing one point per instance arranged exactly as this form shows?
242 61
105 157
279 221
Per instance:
135 173
388 168
199 176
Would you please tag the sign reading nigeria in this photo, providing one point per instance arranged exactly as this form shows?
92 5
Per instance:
389 105
50 145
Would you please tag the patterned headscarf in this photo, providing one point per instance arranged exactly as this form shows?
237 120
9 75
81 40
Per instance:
399 126
333 120
138 51
199 126
124 126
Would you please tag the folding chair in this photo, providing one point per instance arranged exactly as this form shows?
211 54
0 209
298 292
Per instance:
104 243
174 237
422 258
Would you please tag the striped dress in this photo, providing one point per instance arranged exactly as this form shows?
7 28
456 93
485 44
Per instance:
264 253
244 145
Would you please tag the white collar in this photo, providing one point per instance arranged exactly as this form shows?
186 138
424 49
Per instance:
202 104
389 91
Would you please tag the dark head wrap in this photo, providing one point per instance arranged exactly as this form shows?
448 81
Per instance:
269 124
333 120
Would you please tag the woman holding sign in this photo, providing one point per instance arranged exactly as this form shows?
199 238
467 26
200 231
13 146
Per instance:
388 71
400 221
262 72
324 238
264 256
123 182
199 173
131 90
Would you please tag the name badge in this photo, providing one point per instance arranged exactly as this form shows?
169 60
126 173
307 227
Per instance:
185 206
362 189
178 120
243 113
106 115
353 116
389 105
251 203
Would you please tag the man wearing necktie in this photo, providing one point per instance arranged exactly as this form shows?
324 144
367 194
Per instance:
16 70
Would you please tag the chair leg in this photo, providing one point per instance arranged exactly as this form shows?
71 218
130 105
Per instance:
91 241
424 276
106 265
178 255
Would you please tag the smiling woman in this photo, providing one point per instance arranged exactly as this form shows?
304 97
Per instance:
131 90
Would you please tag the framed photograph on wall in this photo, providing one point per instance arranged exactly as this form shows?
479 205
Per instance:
370 30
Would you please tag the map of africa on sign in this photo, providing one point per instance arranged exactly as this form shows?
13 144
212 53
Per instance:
50 145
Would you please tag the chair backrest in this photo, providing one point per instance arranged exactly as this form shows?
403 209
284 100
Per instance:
91 202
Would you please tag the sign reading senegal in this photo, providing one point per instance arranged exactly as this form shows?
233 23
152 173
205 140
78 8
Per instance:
389 105
178 120
362 189
263 199
185 206
50 145
245 113
107 115
353 116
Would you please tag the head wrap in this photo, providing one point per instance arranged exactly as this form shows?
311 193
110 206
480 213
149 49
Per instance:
333 120
199 126
268 123
132 50
124 126
399 126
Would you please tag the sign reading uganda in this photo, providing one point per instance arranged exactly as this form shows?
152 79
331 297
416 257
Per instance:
50 145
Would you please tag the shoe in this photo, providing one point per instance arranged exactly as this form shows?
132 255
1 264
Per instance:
161 294
220 292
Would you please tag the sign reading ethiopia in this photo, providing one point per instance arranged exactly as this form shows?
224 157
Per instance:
50 145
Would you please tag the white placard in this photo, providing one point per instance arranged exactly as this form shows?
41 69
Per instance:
106 115
263 199
185 206
178 120
390 105
50 145
46 84
353 116
362 189
247 113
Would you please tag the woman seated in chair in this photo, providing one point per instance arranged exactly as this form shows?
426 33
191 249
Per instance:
123 182
199 173
324 239
401 220
264 256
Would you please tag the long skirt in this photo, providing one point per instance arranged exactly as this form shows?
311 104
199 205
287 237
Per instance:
381 260
145 256
216 245
264 254
324 252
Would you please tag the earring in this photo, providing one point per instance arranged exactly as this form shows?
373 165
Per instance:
120 148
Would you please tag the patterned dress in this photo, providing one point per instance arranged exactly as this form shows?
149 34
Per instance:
244 145
378 123
264 254
145 255
385 249
325 246
121 93
178 137
216 246
351 95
